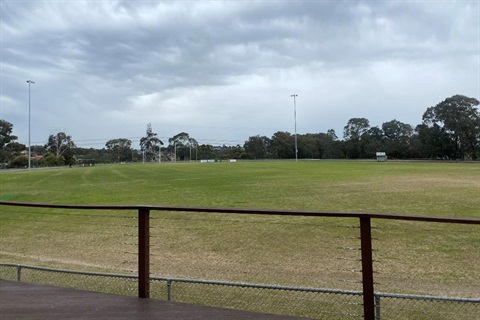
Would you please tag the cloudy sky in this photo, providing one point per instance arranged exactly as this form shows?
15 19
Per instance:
225 70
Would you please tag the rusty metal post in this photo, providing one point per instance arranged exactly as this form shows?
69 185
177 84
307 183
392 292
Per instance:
367 268
144 253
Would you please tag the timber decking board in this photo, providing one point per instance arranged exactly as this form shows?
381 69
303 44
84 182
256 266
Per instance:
20 300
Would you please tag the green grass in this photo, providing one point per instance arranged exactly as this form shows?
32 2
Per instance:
410 257
440 189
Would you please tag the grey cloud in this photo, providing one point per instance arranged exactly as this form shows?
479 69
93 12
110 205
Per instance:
110 57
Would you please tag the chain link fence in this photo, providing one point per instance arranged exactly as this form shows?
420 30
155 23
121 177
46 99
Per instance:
260 249
301 266
430 270
315 303
91 281
312 303
71 239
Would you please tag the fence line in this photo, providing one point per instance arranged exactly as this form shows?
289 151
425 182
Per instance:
171 280
370 298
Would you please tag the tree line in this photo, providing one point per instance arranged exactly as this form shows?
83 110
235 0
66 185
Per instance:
449 130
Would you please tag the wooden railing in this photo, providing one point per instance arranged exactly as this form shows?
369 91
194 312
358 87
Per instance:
364 223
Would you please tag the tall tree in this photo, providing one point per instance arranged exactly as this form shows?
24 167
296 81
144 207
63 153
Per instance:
353 132
397 138
6 136
434 142
206 151
355 128
120 149
183 144
330 146
309 146
60 146
283 145
373 141
258 147
150 145
460 120
9 148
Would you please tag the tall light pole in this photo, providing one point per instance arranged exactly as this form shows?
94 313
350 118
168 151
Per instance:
29 146
295 117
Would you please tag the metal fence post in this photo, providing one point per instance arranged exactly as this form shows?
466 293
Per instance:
19 273
377 307
367 268
169 290
144 253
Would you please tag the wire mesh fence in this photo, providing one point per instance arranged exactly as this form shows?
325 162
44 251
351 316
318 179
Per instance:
280 250
91 281
308 266
71 239
404 306
414 259
314 303
259 249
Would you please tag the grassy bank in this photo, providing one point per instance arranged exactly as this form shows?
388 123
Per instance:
411 257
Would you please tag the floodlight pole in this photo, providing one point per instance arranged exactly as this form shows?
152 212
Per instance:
295 118
29 135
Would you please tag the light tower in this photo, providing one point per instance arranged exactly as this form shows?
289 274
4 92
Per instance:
295 118
30 82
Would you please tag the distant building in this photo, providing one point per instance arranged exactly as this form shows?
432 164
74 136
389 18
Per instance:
86 162
381 156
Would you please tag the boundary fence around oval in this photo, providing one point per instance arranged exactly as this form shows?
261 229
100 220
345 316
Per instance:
371 302
169 281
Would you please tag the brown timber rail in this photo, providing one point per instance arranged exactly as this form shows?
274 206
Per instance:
364 220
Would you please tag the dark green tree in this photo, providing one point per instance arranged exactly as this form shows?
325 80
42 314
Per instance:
9 148
6 136
258 147
330 145
283 145
434 142
309 146
206 151
373 142
120 149
460 120
353 132
397 139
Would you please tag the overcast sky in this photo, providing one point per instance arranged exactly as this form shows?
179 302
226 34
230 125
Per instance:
225 70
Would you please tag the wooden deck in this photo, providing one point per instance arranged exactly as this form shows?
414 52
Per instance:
20 300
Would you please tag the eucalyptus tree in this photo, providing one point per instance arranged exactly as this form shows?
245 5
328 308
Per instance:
182 145
397 139
60 147
353 133
120 149
459 120
150 145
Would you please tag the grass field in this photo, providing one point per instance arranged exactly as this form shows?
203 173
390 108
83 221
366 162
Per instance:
440 189
411 257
